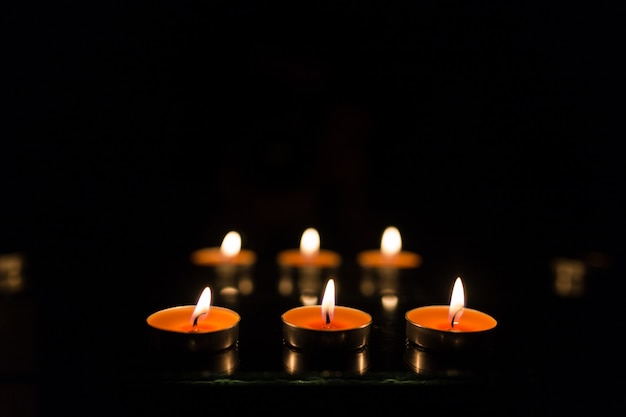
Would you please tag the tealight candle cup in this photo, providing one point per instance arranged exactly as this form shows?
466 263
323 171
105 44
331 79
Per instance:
303 329
377 260
212 256
172 331
322 259
428 328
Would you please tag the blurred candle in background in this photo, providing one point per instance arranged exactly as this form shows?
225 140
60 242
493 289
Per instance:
308 264
569 277
12 267
229 253
231 265
309 254
390 254
381 268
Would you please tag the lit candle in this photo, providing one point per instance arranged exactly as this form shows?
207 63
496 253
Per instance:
390 253
326 326
450 327
199 327
229 253
309 254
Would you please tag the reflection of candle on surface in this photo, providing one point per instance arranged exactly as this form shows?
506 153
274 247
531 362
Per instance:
450 327
229 253
345 363
309 254
436 363
199 326
327 325
390 253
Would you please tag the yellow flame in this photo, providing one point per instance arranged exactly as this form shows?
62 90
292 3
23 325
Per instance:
231 245
457 302
202 306
328 302
391 242
310 242
389 302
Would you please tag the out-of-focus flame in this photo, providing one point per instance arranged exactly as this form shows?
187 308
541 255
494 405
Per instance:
389 302
391 242
457 302
231 245
202 306
310 242
328 302
569 277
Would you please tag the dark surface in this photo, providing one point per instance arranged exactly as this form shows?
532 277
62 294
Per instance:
134 134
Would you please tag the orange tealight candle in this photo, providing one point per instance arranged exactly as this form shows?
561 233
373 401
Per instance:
229 253
390 254
326 326
453 327
309 254
199 327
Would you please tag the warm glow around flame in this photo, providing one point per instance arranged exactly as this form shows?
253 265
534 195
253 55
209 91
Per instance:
328 302
310 242
202 307
231 245
457 302
391 242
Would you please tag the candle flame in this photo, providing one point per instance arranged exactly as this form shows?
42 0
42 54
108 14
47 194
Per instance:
457 302
310 242
328 302
391 242
202 306
231 245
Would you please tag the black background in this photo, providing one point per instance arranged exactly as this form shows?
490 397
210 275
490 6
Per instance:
487 132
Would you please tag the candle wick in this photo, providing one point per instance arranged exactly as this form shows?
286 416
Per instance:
327 318
195 321
454 317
